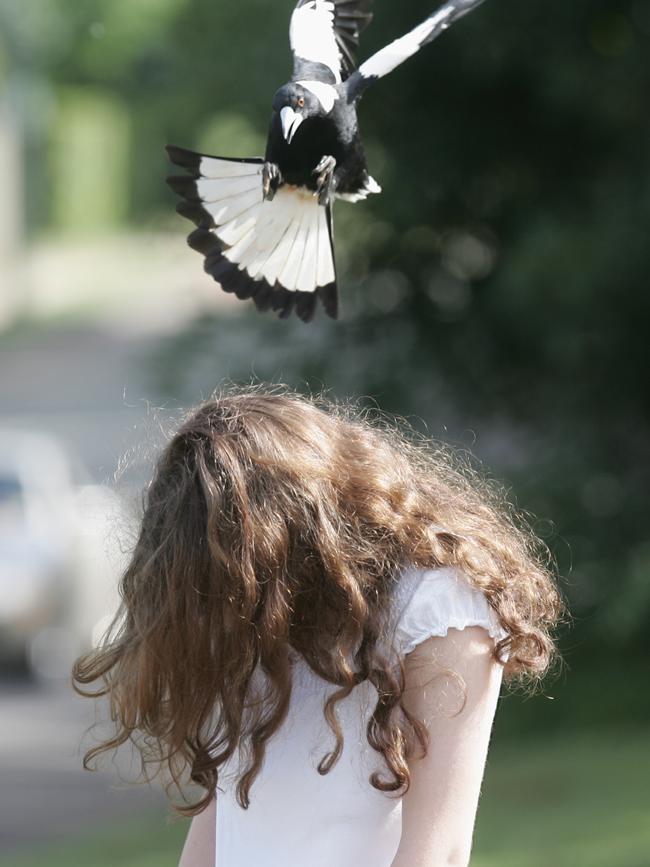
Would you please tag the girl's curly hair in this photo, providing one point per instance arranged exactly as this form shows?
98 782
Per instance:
276 523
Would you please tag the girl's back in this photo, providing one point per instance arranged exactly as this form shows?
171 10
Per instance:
315 623
299 817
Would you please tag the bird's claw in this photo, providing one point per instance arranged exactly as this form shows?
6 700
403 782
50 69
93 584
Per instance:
324 172
271 180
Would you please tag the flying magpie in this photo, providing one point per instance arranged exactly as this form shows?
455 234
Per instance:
265 225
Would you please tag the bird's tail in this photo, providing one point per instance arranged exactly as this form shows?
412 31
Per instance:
390 57
278 252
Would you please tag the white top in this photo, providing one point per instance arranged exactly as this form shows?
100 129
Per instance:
298 818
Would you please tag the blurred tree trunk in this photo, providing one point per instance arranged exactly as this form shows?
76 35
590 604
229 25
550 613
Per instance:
11 211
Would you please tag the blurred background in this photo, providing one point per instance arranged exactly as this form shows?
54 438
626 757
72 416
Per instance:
496 294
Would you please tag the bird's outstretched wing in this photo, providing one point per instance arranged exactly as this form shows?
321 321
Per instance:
386 60
279 253
325 37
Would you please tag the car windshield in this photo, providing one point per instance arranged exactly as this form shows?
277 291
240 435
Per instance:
10 488
11 500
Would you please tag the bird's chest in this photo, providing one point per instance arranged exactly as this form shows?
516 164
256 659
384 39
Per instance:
316 138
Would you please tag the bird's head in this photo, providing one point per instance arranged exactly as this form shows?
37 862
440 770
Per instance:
295 104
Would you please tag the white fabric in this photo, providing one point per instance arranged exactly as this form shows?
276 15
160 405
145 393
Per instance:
437 600
298 818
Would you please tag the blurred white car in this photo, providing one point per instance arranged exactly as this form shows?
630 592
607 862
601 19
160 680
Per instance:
36 522
59 556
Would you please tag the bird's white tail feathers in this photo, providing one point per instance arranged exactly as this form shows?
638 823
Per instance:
278 252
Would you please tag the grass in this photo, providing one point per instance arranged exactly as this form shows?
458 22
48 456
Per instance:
576 801
146 842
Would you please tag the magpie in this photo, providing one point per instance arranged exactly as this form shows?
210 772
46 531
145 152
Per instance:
265 225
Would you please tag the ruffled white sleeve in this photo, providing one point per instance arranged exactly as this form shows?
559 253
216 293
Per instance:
432 601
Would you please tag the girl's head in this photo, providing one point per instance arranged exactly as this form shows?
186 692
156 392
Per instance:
275 522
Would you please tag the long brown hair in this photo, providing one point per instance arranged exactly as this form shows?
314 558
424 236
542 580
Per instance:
276 522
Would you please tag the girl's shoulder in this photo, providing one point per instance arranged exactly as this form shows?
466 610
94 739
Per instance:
428 602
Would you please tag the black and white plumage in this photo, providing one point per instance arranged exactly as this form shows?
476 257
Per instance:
265 225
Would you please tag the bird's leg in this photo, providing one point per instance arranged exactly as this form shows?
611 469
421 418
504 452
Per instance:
324 172
271 180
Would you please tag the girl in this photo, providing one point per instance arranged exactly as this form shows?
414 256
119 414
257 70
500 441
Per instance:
314 627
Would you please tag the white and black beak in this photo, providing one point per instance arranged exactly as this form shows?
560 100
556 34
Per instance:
291 121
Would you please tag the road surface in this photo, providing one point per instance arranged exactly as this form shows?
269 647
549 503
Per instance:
45 794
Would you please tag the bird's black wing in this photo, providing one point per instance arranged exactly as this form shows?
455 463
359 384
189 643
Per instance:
390 57
325 37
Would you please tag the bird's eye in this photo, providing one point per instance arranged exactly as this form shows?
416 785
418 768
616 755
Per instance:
301 101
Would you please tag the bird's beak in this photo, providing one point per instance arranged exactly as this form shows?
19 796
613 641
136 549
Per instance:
291 120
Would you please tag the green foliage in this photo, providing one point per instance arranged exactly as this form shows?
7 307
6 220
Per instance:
89 161
500 281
